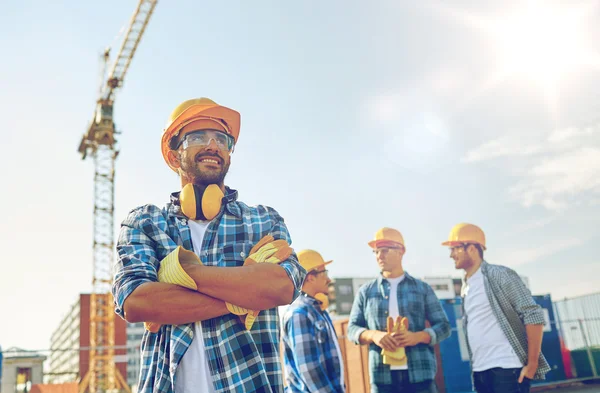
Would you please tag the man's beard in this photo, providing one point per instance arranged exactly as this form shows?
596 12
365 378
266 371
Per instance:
200 177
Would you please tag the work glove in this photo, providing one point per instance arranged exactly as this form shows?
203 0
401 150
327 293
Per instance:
266 250
397 357
172 272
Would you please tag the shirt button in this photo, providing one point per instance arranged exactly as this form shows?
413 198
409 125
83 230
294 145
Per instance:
386 297
242 254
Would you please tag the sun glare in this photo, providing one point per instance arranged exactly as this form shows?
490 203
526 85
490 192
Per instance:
538 42
541 43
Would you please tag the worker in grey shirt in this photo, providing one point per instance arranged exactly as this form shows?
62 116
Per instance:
503 324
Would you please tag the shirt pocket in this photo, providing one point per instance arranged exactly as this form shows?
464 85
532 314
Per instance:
235 254
375 312
414 307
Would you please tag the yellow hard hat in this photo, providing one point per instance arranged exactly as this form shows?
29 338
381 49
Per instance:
465 233
194 109
310 260
387 237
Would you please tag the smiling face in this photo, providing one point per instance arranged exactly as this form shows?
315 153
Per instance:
198 163
464 256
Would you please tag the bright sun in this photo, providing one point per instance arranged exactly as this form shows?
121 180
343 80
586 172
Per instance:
539 41
542 43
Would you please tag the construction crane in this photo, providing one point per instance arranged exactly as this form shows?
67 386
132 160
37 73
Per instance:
100 143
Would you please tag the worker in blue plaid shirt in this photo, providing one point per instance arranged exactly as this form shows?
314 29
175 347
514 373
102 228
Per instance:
196 343
313 360
395 293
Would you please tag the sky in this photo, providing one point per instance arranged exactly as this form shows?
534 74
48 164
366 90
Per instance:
355 116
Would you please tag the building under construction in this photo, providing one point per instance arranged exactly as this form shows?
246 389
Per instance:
69 359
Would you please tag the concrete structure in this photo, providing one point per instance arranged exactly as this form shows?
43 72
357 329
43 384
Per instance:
70 343
444 287
135 331
20 370
342 292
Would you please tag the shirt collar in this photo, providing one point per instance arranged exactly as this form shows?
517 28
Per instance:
229 200
380 278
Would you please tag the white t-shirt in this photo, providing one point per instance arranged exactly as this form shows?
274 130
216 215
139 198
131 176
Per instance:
193 373
394 309
489 345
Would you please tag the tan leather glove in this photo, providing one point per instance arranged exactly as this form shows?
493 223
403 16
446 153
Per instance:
171 272
266 250
397 357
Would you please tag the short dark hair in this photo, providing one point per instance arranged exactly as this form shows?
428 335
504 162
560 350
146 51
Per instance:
479 249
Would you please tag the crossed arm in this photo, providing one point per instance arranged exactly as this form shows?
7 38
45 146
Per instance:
139 297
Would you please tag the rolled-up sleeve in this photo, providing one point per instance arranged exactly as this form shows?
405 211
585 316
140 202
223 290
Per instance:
521 300
136 262
435 314
357 322
295 272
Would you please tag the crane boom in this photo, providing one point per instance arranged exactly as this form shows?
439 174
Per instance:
99 141
137 26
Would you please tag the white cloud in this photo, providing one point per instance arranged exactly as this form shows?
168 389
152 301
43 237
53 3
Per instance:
555 170
503 147
533 224
521 257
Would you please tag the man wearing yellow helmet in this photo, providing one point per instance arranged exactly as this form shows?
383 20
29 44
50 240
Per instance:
313 359
190 270
400 359
503 324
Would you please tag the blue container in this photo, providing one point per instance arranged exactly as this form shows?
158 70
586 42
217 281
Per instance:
453 350
551 342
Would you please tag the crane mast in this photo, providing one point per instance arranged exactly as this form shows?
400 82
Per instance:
99 142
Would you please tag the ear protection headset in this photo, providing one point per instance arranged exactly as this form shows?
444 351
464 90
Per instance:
201 203
324 299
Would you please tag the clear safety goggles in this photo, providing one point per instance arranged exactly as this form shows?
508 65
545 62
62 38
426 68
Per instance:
203 137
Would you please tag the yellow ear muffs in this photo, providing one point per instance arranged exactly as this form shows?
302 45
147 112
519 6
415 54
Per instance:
201 203
324 299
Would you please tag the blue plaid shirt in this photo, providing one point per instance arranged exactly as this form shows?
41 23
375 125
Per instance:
312 360
417 302
239 360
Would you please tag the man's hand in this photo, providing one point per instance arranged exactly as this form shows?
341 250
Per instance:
410 339
386 340
172 271
266 250
175 269
528 371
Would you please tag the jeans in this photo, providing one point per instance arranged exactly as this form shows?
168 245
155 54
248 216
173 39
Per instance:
500 380
401 383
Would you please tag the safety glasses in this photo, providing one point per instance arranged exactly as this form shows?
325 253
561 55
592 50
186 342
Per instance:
385 250
203 137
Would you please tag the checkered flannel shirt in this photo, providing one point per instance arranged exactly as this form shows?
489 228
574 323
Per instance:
513 307
239 360
417 302
312 360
